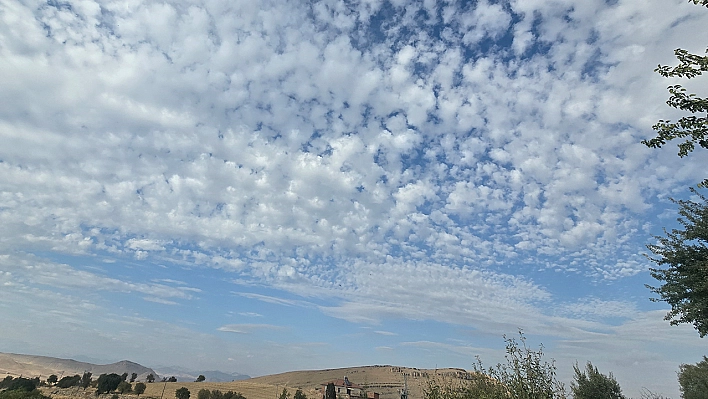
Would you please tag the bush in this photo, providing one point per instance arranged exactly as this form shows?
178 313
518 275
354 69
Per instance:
52 379
21 394
524 376
124 387
182 393
204 394
69 381
22 384
299 394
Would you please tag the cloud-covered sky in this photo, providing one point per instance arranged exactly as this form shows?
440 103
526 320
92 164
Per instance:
264 186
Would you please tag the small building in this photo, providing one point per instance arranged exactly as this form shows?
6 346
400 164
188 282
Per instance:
346 389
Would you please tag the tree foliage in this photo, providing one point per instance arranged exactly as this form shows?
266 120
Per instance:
150 378
133 376
69 381
22 384
685 253
107 383
52 379
85 379
693 129
201 378
524 376
284 394
139 388
301 395
591 384
124 387
693 380
204 394
182 393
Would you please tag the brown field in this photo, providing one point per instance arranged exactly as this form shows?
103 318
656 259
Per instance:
387 381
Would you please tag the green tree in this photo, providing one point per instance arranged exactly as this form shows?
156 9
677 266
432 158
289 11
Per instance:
133 376
124 376
591 384
685 253
52 379
6 382
107 383
172 379
693 380
693 128
139 388
69 381
182 393
284 394
204 394
22 384
216 394
85 380
201 378
124 387
150 378
299 394
330 392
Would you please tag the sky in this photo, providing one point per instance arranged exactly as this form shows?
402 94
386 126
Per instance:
259 187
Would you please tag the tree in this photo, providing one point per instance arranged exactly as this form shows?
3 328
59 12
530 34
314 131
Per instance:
330 392
172 379
124 387
591 384
524 376
216 394
124 376
139 388
150 378
693 380
204 394
52 379
284 394
685 252
182 393
201 378
69 381
133 377
107 383
299 394
85 380
692 128
6 382
22 384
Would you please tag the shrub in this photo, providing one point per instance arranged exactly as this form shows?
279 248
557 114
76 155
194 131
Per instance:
204 394
69 381
524 376
124 387
182 393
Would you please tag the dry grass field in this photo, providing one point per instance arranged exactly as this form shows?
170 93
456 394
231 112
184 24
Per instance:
385 380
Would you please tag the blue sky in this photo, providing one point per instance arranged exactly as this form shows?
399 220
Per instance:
260 187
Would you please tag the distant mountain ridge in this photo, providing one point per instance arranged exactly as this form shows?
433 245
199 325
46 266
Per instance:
185 375
43 366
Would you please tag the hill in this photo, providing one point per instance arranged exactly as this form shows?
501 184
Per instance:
43 366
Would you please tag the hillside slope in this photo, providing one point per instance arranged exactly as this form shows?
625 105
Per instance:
43 366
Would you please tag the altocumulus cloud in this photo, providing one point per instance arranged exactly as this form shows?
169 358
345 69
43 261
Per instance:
461 163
